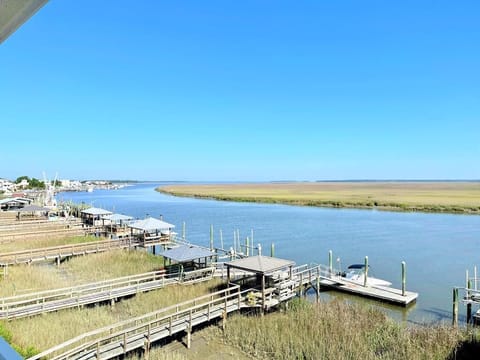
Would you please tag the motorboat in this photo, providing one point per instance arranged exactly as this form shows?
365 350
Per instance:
356 274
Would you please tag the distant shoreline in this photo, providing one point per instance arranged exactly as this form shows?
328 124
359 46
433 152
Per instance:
455 197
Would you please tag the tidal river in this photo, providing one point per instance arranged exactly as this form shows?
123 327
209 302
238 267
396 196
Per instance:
437 248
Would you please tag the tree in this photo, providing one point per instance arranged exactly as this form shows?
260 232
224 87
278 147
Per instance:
19 179
36 184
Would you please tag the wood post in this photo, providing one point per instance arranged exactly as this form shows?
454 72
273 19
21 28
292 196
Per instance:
330 261
404 277
455 307
365 277
272 250
469 303
183 231
247 243
317 289
263 294
221 239
189 331
211 237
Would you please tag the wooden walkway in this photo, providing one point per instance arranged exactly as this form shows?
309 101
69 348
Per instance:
140 332
328 278
109 290
60 252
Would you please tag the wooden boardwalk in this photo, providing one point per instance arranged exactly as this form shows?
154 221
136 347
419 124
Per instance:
109 290
60 252
140 332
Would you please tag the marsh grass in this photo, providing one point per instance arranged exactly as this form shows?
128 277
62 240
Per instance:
45 331
45 242
337 330
463 197
83 269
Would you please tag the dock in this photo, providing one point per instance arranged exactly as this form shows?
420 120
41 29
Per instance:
141 332
41 302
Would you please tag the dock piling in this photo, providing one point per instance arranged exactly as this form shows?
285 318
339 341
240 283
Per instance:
455 307
404 277
221 239
211 237
247 243
366 272
183 231
272 250
469 303
330 261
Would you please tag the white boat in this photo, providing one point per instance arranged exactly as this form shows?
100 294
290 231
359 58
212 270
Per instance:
356 273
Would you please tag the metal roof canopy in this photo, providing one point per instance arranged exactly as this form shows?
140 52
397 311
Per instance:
13 13
117 217
151 224
260 264
186 253
33 208
96 211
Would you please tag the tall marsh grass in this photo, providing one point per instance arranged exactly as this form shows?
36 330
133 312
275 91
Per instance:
337 330
45 242
45 331
78 270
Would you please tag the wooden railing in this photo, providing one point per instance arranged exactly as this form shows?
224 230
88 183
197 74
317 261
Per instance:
139 332
56 299
59 252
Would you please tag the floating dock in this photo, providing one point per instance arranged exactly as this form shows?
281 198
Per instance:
382 293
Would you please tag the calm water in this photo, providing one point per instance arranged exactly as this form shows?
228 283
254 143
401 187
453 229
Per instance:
436 247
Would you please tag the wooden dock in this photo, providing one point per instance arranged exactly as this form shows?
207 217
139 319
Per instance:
330 279
14 307
140 332
59 253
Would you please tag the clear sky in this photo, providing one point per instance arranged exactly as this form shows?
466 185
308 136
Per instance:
243 90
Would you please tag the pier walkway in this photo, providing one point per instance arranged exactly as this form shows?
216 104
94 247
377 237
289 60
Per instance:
61 252
109 290
140 332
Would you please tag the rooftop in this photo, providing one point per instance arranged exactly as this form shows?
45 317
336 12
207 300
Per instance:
260 264
185 253
151 224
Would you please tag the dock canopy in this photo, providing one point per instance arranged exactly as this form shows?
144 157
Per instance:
151 224
260 264
117 218
91 216
93 211
34 208
185 253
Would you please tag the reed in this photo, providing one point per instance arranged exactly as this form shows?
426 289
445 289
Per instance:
45 242
78 270
454 197
42 332
337 330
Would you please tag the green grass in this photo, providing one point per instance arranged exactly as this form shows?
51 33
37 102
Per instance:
453 197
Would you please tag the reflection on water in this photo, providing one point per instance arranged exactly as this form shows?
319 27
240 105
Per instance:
436 247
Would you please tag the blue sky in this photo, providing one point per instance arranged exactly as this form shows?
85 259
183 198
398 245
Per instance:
243 90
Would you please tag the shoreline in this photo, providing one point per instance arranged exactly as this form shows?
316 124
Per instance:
296 198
